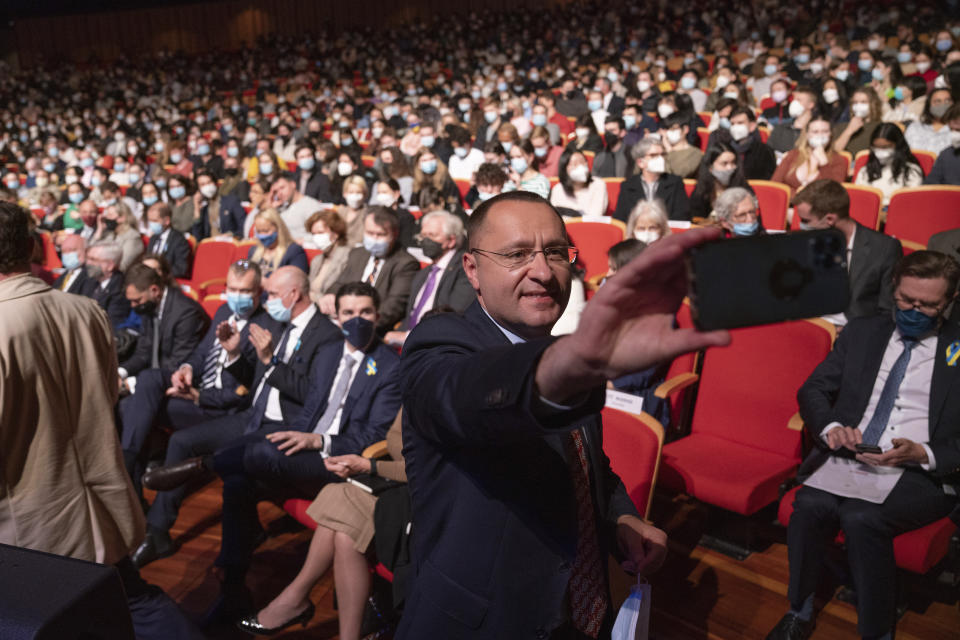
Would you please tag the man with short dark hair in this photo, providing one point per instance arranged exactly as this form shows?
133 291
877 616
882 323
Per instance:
167 241
890 381
310 178
757 159
825 204
294 207
215 214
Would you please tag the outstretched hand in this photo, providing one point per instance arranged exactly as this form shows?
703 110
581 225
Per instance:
628 325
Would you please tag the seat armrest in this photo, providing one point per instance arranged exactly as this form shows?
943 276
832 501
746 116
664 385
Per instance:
675 384
376 450
795 423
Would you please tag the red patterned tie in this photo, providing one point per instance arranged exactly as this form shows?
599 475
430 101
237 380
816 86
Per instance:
587 589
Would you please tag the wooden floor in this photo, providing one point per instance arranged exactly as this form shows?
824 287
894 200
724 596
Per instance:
698 594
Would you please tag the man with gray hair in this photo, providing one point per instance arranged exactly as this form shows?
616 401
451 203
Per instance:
442 285
736 211
103 265
652 182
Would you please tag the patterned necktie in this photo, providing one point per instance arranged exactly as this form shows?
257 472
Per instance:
881 415
427 290
260 402
208 377
372 278
587 588
336 398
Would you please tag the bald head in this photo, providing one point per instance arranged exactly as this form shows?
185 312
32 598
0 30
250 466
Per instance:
291 278
72 242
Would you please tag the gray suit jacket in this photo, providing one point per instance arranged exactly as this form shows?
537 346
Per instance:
393 282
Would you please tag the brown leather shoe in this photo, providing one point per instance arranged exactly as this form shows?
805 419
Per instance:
174 475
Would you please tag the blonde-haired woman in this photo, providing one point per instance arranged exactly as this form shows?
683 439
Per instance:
119 226
275 247
429 172
811 158
355 196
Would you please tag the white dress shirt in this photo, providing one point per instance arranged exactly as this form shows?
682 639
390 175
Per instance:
367 270
441 265
224 359
358 357
297 325
840 319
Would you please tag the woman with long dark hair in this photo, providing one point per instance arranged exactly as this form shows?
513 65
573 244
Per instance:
891 165
719 170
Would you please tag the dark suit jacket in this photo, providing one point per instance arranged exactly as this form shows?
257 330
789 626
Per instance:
493 502
839 390
177 252
294 256
291 378
113 299
82 285
947 242
182 326
453 289
393 282
669 189
234 393
232 217
372 402
871 264
318 185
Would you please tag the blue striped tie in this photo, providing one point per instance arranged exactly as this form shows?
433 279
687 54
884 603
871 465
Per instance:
891 388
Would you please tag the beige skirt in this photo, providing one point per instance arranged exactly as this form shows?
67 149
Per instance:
344 507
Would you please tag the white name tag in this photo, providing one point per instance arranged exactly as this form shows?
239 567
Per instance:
624 401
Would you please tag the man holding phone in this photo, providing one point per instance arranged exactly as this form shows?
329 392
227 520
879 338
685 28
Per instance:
888 394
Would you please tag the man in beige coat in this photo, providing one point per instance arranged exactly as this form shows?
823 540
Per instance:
63 488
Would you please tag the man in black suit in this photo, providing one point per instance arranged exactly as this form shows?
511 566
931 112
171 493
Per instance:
172 324
947 242
652 183
311 180
281 386
514 501
103 265
74 278
441 284
871 256
891 381
201 388
382 262
167 241
217 214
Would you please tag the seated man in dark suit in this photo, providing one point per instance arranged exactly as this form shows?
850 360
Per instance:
281 386
382 262
202 387
890 381
74 278
311 180
514 501
103 265
172 324
167 241
652 182
870 255
217 214
442 284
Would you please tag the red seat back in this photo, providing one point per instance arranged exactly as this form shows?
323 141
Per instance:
773 199
613 192
926 160
594 239
464 186
865 203
633 445
212 259
916 213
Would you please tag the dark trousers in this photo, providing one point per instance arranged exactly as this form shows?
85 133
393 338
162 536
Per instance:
869 529
155 616
149 406
203 439
254 469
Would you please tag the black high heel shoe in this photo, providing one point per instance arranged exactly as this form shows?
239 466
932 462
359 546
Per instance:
252 625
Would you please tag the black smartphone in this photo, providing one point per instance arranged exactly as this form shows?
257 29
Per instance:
741 282
867 448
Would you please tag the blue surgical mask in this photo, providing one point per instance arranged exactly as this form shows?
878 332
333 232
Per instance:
770 69
429 167
277 311
540 152
801 58
506 146
630 121
688 83
913 323
240 303
427 141
307 164
156 228
266 168
490 116
461 152
865 64
177 192
49 167
161 183
267 239
745 228
519 164
904 56
377 248
484 195
70 260
944 45
539 120
86 162
203 149
76 198
175 158
724 123
595 105
233 152
358 331
898 94
877 74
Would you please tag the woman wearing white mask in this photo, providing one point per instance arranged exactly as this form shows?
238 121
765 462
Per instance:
833 100
388 193
648 222
811 158
393 165
355 195
855 135
890 165
275 247
577 190
327 234
524 171
587 138
930 132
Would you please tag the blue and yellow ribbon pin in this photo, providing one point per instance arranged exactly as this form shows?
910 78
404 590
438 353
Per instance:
953 354
372 365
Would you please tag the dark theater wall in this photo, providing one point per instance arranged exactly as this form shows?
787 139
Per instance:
217 25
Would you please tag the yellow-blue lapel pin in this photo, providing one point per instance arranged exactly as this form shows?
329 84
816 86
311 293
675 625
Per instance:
372 365
953 354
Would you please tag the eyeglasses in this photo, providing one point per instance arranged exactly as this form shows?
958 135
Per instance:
243 264
520 257
925 307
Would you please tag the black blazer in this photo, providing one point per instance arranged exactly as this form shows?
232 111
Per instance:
318 185
113 299
493 502
82 285
669 189
393 282
182 326
234 393
290 378
871 265
177 252
839 390
453 290
232 217
372 402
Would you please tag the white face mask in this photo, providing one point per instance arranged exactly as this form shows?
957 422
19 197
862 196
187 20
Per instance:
208 190
344 169
646 236
656 165
354 200
830 96
582 133
578 173
860 109
795 109
643 85
322 241
883 156
739 131
722 81
923 67
665 111
386 199
818 142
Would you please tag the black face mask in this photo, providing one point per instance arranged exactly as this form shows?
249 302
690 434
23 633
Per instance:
147 308
110 225
233 171
611 140
431 248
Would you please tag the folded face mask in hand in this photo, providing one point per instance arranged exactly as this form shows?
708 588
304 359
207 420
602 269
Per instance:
633 620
